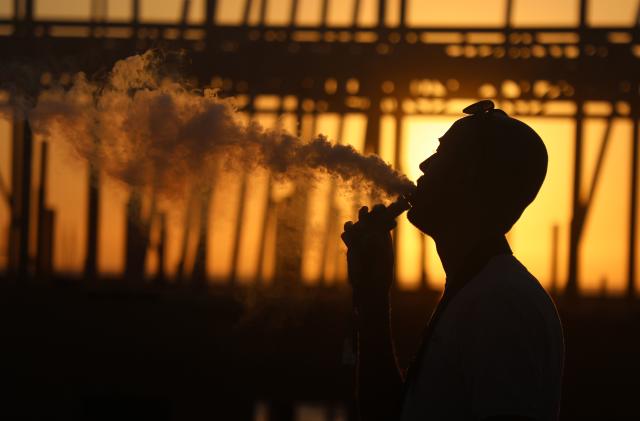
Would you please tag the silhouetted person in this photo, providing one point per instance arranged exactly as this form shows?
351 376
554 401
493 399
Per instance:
493 348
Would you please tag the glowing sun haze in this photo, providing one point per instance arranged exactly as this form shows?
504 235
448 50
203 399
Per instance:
603 263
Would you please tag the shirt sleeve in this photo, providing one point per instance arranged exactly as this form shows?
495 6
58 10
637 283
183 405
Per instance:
502 366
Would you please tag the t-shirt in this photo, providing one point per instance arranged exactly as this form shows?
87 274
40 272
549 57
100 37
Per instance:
497 349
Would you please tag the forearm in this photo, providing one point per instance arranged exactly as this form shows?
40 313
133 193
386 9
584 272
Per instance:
379 380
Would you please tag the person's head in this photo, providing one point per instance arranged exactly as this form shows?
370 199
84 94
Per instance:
488 168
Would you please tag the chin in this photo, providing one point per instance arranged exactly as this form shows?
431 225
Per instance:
420 220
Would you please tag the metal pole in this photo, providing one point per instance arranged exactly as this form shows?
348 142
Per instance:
403 14
633 210
210 11
199 273
571 289
91 261
21 179
324 13
555 250
269 209
576 220
186 230
355 12
508 13
235 260
293 13
135 12
398 165
382 13
162 248
598 169
42 251
263 12
331 231
246 12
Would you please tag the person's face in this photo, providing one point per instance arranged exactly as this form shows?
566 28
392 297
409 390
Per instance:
442 196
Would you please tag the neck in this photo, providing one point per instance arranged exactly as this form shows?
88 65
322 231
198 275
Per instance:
458 249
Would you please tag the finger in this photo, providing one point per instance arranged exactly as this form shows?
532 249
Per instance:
346 238
363 212
378 208
348 225
378 212
391 224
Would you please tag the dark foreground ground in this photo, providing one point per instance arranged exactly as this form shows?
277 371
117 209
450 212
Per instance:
108 351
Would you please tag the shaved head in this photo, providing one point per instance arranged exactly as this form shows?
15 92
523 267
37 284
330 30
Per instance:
489 165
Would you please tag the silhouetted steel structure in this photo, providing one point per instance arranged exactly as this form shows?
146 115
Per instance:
377 70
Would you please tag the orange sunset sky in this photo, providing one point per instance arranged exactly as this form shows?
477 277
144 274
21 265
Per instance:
604 248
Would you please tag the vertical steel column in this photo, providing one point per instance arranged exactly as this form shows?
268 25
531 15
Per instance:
93 217
291 221
137 239
199 273
633 208
324 14
332 230
571 288
555 255
372 134
135 11
577 208
582 206
25 206
246 12
13 238
399 116
184 17
382 13
238 232
293 13
210 13
28 11
508 13
184 13
21 203
263 13
16 9
21 167
210 18
355 12
403 14
44 237
269 209
162 248
186 229
235 260
5 193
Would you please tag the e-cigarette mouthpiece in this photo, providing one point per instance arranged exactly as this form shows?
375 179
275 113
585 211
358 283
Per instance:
396 208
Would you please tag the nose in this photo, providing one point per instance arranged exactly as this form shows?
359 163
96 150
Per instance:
423 165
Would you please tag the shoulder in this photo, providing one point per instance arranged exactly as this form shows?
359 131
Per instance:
504 280
506 296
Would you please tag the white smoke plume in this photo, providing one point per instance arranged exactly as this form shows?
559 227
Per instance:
146 130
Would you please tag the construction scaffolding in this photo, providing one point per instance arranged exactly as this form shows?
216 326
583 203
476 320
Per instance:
383 70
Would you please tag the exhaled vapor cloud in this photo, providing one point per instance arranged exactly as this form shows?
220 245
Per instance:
147 130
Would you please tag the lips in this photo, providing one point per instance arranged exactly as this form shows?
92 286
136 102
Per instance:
420 183
420 187
410 195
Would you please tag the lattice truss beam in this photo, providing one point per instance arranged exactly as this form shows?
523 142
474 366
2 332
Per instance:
380 70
